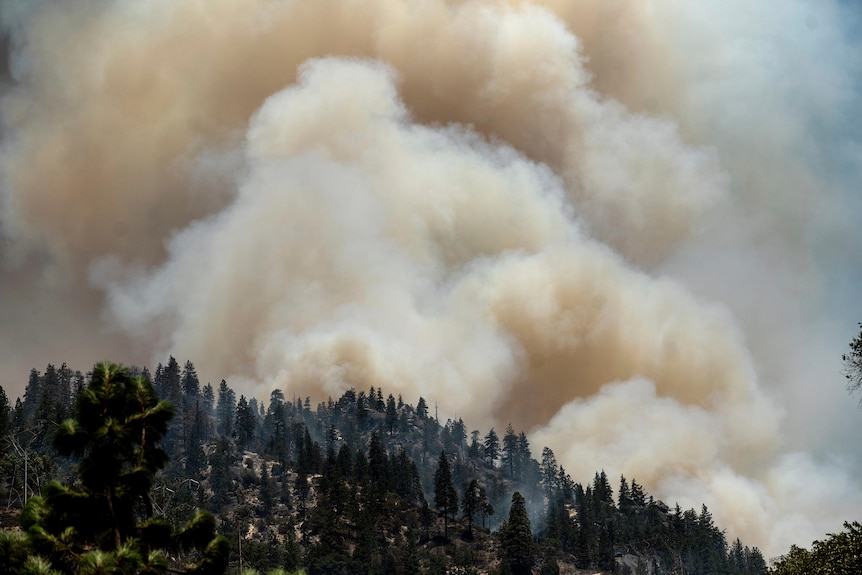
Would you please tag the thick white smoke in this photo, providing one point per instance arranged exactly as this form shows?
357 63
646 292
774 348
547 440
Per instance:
601 221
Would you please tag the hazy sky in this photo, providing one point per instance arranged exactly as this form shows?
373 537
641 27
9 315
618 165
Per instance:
629 228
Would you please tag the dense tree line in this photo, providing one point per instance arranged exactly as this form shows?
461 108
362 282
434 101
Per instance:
368 483
105 521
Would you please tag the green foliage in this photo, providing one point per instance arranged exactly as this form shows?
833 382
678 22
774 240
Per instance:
840 554
491 447
445 495
94 526
473 503
341 489
517 538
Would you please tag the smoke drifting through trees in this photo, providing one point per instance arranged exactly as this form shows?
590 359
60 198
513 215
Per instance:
527 212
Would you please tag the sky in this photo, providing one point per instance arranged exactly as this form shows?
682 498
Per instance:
628 228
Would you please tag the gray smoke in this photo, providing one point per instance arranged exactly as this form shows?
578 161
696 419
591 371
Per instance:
623 227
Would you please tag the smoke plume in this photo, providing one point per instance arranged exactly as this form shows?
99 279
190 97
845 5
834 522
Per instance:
624 227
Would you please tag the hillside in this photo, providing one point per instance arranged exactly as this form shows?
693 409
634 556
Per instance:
370 483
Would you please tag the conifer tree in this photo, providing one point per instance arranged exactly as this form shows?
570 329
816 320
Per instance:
548 470
471 503
195 436
225 409
115 435
524 465
190 384
517 538
391 413
459 433
245 423
624 496
421 409
636 493
5 418
32 393
475 450
492 447
208 403
510 451
445 495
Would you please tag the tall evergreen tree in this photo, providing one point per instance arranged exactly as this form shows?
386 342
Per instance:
6 416
195 436
422 408
524 468
445 495
208 401
190 383
492 447
378 465
510 452
602 491
32 393
225 410
391 413
459 434
517 538
115 435
548 470
475 450
245 423
473 503
172 389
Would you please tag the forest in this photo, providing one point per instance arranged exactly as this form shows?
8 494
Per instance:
124 470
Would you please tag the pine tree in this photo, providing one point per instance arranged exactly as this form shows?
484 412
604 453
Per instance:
245 423
624 501
517 538
757 564
172 382
475 450
636 493
548 471
378 466
445 495
171 390
225 410
208 402
602 491
5 418
391 413
459 434
32 393
361 410
190 384
492 447
195 435
421 409
472 502
115 435
525 470
510 452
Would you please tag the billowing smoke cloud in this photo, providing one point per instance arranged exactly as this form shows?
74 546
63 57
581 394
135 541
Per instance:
604 222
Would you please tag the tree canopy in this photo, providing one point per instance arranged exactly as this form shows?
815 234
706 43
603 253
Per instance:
839 554
104 522
853 364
